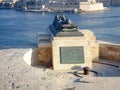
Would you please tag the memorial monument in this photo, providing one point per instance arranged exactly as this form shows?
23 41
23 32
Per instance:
70 46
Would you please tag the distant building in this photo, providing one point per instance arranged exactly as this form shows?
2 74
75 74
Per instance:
58 5
75 5
1 0
31 5
91 5
63 5
9 1
7 4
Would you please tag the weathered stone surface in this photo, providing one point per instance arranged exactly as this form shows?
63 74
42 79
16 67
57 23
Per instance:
95 51
94 45
89 35
45 54
30 57
110 51
70 42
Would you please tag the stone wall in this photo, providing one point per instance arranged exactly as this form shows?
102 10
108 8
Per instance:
109 51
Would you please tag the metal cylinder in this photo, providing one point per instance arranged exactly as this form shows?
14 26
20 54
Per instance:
86 70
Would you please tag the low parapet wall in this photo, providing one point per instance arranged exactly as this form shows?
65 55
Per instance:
109 51
31 57
106 51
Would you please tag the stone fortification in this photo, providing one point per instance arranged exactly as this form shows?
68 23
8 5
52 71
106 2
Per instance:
91 6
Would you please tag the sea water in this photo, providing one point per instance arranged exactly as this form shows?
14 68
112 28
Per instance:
19 29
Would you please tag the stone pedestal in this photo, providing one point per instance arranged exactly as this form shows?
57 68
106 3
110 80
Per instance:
72 43
69 52
71 47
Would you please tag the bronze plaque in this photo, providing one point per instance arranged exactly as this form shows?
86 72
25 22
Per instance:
72 55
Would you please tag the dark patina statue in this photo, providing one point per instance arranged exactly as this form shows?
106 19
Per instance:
63 26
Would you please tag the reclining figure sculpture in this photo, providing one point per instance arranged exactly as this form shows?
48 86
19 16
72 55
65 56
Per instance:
63 26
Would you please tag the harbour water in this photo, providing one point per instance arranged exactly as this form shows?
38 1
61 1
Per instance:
19 29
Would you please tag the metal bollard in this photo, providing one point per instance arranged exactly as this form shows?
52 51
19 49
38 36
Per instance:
86 70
